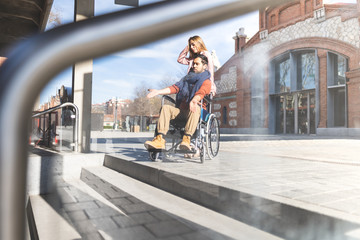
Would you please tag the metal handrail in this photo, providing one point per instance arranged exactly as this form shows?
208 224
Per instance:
34 62
68 104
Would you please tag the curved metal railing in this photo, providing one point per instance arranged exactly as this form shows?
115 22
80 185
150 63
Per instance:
68 104
35 61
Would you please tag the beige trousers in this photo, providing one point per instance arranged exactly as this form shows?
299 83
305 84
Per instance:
169 112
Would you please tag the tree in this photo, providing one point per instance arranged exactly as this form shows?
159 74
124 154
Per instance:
54 18
143 106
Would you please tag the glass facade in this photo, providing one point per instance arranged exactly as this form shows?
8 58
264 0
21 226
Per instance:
306 71
336 94
279 114
294 95
341 68
303 113
283 76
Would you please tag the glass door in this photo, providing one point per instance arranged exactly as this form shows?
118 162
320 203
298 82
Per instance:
295 113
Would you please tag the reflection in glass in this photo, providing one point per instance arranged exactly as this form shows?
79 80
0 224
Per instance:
290 114
307 71
337 67
339 107
283 76
341 69
280 114
302 113
312 113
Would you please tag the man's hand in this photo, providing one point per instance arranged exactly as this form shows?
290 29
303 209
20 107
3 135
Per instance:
152 93
155 92
194 103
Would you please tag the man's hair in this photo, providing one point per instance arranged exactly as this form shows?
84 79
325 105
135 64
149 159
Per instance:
204 59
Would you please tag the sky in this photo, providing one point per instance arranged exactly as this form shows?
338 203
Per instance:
118 74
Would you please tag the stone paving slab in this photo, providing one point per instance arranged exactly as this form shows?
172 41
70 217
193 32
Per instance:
167 216
97 209
95 216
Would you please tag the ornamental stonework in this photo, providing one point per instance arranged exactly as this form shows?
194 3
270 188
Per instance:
216 106
233 122
332 28
232 105
232 114
227 83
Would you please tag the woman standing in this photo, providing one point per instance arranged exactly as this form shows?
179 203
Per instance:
197 46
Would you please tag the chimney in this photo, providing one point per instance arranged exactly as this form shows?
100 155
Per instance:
240 40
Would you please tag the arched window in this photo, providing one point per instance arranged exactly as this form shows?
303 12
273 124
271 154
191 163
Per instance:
292 85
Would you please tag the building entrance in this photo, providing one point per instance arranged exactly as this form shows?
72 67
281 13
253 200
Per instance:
295 113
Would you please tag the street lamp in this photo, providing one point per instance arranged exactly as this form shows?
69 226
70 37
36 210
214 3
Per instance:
115 101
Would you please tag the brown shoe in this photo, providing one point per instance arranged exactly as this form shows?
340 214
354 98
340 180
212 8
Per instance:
185 144
157 143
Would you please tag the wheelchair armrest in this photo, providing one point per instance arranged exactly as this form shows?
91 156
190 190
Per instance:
208 98
166 97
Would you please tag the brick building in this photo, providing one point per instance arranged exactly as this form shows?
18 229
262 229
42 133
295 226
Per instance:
300 74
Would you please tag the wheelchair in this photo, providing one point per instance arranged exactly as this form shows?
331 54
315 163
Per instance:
206 138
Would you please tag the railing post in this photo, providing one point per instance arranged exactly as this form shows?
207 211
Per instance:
76 126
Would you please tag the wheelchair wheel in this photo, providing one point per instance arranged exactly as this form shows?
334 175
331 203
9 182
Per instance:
212 137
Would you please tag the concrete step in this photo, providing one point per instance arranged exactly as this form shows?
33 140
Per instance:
282 218
46 223
150 213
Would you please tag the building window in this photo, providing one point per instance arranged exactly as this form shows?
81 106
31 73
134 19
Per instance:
292 93
336 82
282 76
306 71
224 115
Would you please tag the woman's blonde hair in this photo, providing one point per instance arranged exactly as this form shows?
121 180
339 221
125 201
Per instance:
199 44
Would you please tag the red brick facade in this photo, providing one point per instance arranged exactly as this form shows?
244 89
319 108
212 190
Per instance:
284 30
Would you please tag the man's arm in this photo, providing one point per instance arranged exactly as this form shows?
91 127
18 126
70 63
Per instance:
155 92
200 94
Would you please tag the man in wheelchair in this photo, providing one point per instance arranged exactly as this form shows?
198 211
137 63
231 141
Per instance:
190 90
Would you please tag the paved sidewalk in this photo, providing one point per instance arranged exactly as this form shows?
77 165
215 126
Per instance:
271 175
318 174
